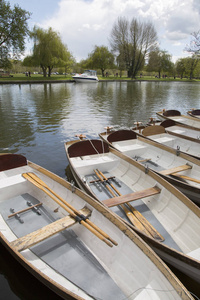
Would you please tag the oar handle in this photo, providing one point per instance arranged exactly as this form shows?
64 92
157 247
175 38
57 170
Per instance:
112 185
108 188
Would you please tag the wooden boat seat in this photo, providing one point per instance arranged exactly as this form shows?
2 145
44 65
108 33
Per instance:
45 232
176 169
131 197
152 130
10 161
121 135
171 113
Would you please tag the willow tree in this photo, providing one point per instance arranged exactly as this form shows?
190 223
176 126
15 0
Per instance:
48 51
132 41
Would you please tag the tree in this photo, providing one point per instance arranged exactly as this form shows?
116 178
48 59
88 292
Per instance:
180 67
132 42
48 51
194 46
190 65
101 58
13 31
159 61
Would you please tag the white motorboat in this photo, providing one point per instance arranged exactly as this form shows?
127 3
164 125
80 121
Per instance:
86 76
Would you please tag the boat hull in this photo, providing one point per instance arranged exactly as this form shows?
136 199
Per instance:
84 80
185 263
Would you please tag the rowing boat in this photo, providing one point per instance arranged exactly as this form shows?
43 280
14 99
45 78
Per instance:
158 134
182 170
176 116
194 113
181 131
164 217
74 244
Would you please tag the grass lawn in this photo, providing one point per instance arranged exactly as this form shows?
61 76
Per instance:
38 77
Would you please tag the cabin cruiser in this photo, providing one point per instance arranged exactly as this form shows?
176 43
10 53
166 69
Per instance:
86 76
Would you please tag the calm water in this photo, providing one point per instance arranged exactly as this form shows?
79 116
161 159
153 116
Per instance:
36 120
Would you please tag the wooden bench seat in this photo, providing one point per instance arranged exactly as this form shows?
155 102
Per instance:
45 232
176 169
131 197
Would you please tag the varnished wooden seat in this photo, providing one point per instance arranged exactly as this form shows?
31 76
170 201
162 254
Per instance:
176 169
131 197
45 232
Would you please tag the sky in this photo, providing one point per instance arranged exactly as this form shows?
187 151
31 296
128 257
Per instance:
84 24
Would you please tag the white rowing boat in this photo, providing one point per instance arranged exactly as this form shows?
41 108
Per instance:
162 215
182 170
181 131
194 113
176 116
72 243
158 134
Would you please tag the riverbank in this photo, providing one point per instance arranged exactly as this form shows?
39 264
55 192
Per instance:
22 79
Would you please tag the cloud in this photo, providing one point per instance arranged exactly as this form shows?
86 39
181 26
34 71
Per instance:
83 24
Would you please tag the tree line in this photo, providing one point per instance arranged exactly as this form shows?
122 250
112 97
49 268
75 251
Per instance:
134 48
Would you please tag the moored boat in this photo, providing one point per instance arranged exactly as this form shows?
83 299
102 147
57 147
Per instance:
86 76
182 170
165 218
181 131
194 113
176 116
74 244
158 134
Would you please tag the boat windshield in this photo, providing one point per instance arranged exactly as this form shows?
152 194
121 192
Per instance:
90 72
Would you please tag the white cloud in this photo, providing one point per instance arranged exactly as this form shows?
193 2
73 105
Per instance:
86 23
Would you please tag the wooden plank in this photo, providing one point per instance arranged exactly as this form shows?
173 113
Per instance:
45 232
24 210
131 197
187 178
176 169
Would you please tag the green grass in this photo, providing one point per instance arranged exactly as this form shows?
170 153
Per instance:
39 77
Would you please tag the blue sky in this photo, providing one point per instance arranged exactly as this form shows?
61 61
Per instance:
82 24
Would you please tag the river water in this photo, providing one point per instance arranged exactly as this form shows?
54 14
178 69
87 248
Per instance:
36 120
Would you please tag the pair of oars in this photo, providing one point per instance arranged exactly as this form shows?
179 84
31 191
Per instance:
34 179
128 213
136 218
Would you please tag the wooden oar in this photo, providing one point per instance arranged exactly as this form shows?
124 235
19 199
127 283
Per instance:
147 225
70 209
129 215
186 177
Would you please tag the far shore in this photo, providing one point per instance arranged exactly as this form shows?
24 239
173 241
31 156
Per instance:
22 79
